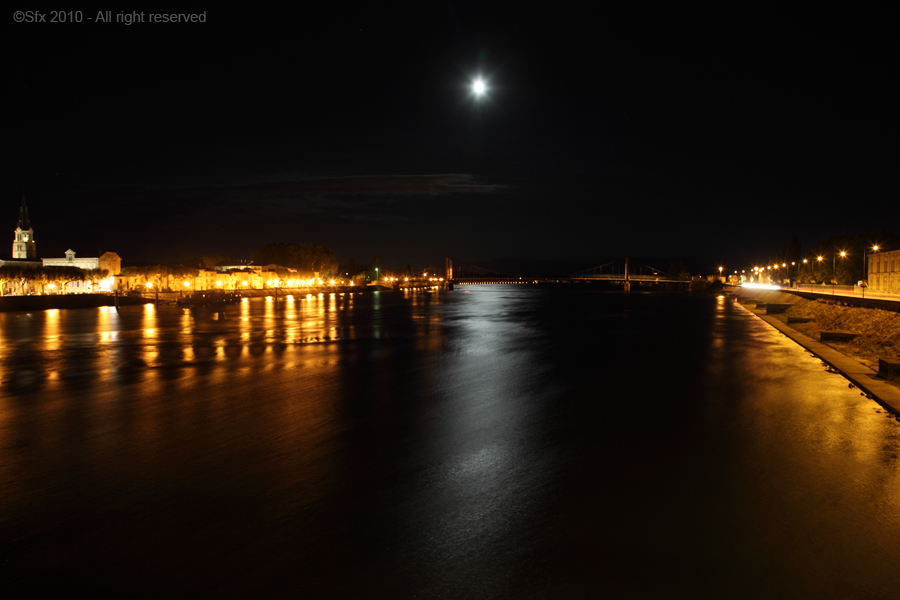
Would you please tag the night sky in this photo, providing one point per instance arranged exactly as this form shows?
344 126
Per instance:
711 135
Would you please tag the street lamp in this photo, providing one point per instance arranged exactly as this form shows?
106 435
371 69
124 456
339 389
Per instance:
865 274
834 269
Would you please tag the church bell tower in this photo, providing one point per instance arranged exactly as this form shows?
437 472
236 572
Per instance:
23 246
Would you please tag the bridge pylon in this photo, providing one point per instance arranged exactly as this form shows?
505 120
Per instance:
448 273
627 280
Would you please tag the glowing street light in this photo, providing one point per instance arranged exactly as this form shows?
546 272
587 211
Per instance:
866 275
479 88
834 269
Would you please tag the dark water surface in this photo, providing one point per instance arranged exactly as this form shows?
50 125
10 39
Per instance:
488 442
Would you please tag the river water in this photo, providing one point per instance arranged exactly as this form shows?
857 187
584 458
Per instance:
494 441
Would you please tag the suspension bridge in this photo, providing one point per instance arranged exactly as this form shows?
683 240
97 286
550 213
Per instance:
468 274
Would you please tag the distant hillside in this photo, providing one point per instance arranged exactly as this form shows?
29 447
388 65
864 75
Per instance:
562 268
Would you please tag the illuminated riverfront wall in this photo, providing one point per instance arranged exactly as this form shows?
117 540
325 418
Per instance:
206 279
884 272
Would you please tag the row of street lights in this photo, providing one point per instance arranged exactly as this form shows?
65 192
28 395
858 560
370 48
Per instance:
841 253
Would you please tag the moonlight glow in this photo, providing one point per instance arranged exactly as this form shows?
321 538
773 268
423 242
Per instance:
478 87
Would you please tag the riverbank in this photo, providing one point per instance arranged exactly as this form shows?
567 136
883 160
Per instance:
30 303
857 359
878 330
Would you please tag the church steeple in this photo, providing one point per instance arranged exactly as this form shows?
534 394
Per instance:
24 223
23 244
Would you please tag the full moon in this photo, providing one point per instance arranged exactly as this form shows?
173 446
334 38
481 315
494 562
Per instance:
478 87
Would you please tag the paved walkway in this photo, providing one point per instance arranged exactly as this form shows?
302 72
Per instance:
865 378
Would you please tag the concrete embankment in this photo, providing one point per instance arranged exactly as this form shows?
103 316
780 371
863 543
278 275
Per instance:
877 335
28 303
314 290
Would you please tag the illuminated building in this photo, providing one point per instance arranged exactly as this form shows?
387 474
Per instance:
23 244
884 272
110 261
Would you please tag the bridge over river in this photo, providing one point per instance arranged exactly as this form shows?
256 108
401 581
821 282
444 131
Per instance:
468 274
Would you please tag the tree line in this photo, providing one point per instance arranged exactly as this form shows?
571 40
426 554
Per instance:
306 258
20 280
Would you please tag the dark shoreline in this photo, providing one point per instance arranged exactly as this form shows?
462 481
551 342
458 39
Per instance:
28 303
47 302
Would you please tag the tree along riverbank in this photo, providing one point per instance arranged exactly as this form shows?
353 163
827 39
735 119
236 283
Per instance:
878 330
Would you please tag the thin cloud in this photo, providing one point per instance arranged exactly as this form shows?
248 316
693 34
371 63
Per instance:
376 185
336 189
359 198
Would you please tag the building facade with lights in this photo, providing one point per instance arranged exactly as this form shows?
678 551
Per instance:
24 254
884 272
202 280
109 261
